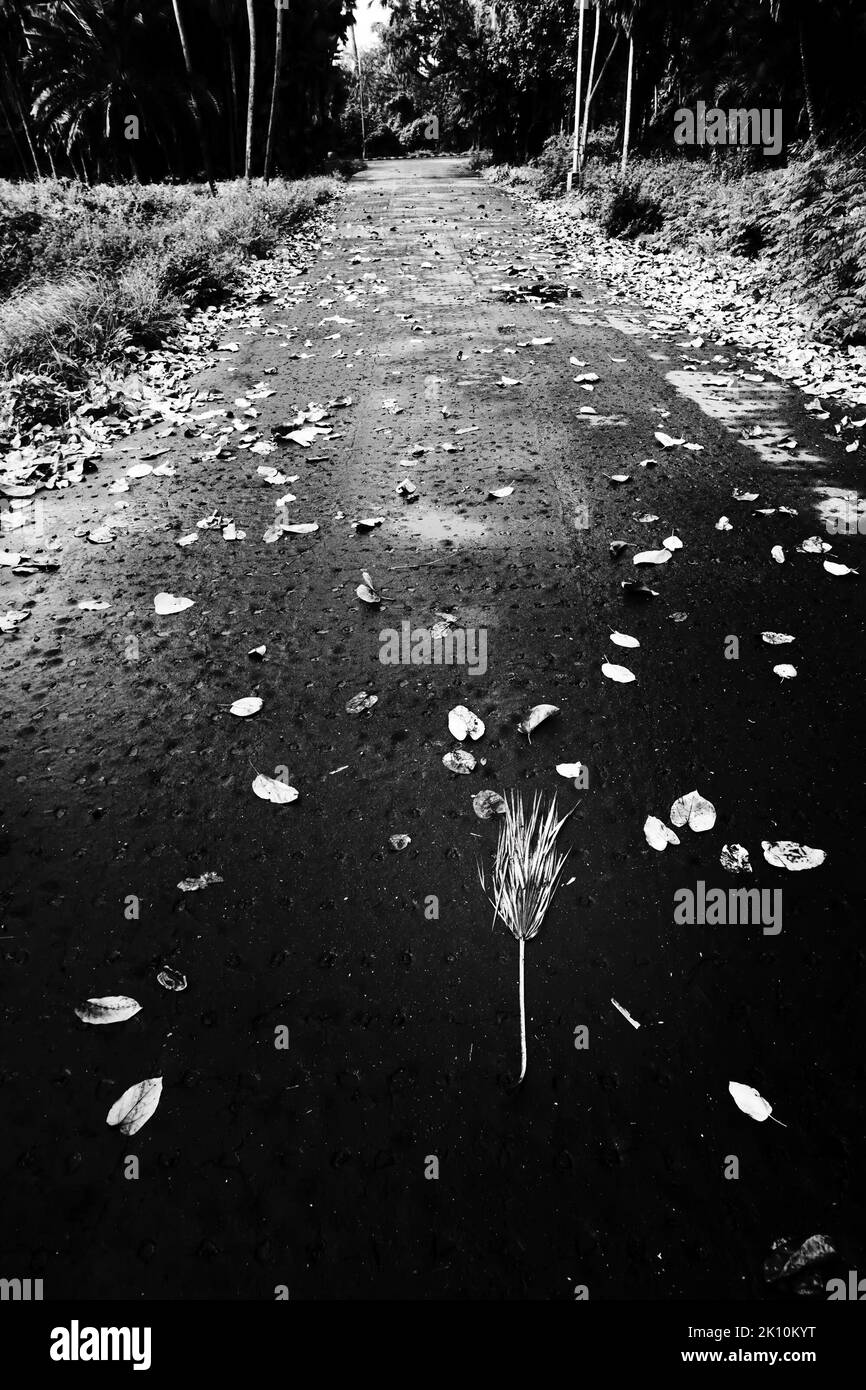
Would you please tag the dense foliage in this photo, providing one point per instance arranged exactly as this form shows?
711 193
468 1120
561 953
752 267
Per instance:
154 89
500 73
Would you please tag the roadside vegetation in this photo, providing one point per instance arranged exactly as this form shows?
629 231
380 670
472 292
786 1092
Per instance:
86 273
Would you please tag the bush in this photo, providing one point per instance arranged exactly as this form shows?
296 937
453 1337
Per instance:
65 328
554 164
628 211
414 137
383 142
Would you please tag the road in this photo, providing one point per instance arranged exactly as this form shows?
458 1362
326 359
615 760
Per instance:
351 1013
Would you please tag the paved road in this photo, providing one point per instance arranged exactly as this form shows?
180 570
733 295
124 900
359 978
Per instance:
304 1166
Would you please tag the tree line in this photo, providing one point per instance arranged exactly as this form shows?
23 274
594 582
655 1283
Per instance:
178 89
501 73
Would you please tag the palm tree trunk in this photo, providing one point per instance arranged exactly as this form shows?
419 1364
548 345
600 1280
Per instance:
251 95
610 54
10 126
22 117
808 92
589 84
196 110
625 135
278 57
522 994
234 124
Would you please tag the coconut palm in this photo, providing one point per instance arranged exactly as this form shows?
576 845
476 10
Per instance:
196 109
278 58
251 92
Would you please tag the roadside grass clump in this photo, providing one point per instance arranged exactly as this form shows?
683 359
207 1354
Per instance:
65 328
525 877
91 272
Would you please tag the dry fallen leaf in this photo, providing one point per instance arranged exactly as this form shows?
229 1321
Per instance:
621 639
747 1099
111 1008
488 804
170 603
621 674
787 854
536 716
459 760
570 770
272 789
785 671
136 1105
360 702
192 885
658 835
652 557
462 722
250 704
735 858
693 810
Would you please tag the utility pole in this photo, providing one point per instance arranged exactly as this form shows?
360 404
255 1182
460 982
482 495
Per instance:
574 172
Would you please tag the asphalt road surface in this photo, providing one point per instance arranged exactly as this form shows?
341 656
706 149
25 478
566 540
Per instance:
351 1013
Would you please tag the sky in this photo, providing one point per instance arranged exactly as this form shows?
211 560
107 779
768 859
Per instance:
366 15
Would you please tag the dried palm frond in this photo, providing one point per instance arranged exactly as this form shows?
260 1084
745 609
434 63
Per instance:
525 877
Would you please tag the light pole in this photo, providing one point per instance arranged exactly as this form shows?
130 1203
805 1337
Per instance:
574 172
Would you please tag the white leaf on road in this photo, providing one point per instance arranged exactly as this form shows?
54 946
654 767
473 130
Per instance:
693 810
459 760
735 858
461 721
110 1008
652 557
192 885
658 835
747 1099
787 854
536 716
488 804
136 1105
621 639
170 603
250 704
617 673
272 789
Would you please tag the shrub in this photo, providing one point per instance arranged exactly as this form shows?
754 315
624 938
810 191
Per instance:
554 164
628 211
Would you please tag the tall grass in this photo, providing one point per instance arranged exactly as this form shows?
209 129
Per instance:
90 272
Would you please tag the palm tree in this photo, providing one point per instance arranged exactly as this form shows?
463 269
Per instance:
628 87
796 9
89 66
278 57
196 109
251 95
